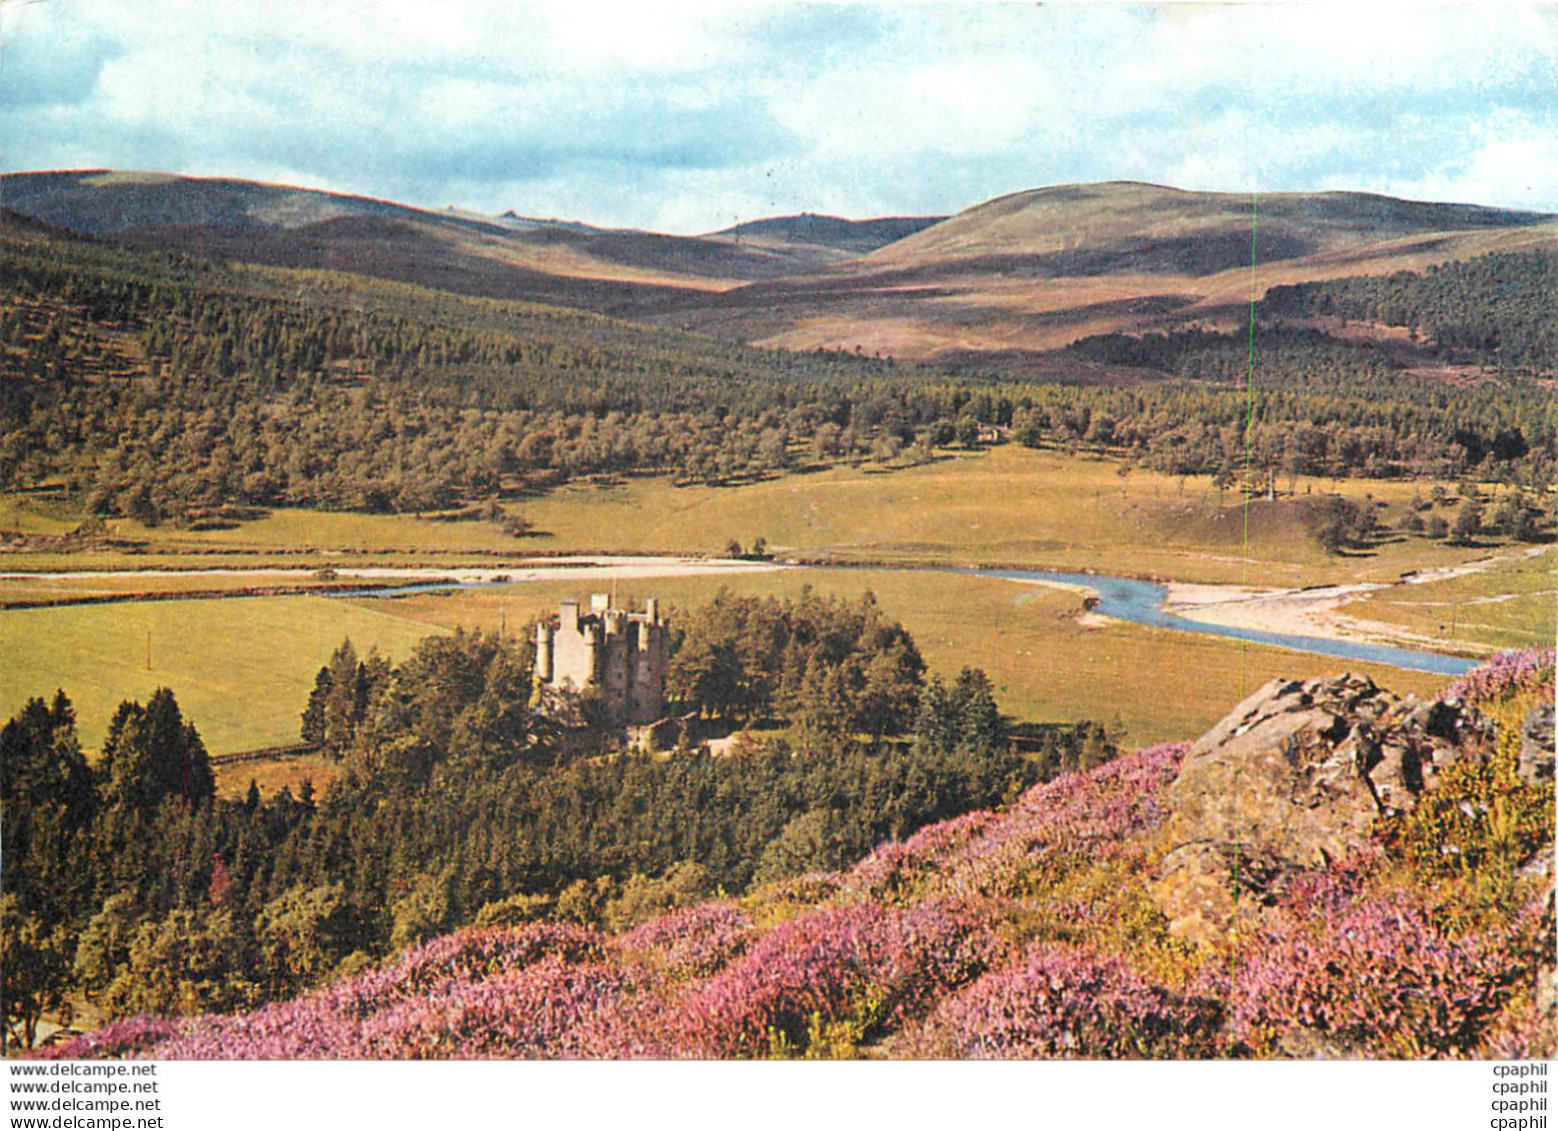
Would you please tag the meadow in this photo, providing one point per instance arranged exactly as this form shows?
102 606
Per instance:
1006 505
1145 685
242 666
1513 604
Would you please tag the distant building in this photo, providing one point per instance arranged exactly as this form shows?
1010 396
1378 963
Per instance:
620 655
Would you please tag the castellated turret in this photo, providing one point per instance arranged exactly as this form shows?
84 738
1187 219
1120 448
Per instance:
621 654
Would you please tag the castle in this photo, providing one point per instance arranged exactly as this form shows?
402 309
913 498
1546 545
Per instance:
623 655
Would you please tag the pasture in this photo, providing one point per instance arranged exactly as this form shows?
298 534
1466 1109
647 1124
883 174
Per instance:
1145 685
1006 505
241 667
1514 604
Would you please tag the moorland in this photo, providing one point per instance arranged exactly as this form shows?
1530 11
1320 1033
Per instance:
229 408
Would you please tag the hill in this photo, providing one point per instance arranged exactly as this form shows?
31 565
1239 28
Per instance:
104 201
811 241
1036 270
996 286
302 381
1125 228
505 256
82 313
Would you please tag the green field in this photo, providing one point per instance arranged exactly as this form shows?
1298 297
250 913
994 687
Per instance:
1512 605
241 667
1146 685
36 590
1007 505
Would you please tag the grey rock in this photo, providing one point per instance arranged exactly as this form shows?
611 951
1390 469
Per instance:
1295 777
1536 746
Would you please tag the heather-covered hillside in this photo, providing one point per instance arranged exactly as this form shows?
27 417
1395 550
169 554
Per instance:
1031 932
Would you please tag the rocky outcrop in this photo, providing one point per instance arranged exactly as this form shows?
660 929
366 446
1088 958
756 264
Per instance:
1536 746
1294 778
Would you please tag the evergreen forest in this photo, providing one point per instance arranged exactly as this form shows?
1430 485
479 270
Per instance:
174 390
129 882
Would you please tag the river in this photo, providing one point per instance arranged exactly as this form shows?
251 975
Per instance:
1121 598
1141 602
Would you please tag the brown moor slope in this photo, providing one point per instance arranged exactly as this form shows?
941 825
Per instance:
620 271
1004 280
1035 270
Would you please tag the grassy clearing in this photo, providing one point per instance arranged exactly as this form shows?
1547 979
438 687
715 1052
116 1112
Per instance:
1514 604
1008 505
37 516
241 667
303 530
58 590
1146 685
300 538
272 776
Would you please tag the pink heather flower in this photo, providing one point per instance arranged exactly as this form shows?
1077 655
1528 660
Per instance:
1504 676
883 964
1064 1002
692 942
1375 979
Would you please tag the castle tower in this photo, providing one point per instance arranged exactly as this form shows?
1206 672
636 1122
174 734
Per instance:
544 633
622 655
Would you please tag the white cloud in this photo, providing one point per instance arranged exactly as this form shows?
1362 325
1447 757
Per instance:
688 113
951 107
1517 171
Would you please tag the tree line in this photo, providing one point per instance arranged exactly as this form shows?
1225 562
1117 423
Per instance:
166 389
1498 308
130 882
1306 403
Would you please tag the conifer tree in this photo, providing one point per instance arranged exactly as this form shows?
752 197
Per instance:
152 754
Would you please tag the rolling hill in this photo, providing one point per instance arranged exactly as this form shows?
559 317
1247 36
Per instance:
812 241
1131 228
507 256
999 284
1036 270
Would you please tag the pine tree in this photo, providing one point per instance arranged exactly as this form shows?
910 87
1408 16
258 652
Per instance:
152 754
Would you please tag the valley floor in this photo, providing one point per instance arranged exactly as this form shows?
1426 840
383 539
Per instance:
1336 612
115 618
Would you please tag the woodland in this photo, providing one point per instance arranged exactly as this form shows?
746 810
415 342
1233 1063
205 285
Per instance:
173 390
131 885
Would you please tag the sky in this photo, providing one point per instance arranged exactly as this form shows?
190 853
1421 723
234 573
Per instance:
689 117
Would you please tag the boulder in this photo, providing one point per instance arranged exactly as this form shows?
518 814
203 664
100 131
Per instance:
1536 746
1207 888
1294 778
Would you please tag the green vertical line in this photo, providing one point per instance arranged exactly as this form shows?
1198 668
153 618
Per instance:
1249 463
1249 412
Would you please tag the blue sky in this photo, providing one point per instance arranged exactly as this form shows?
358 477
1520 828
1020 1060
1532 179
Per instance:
689 117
